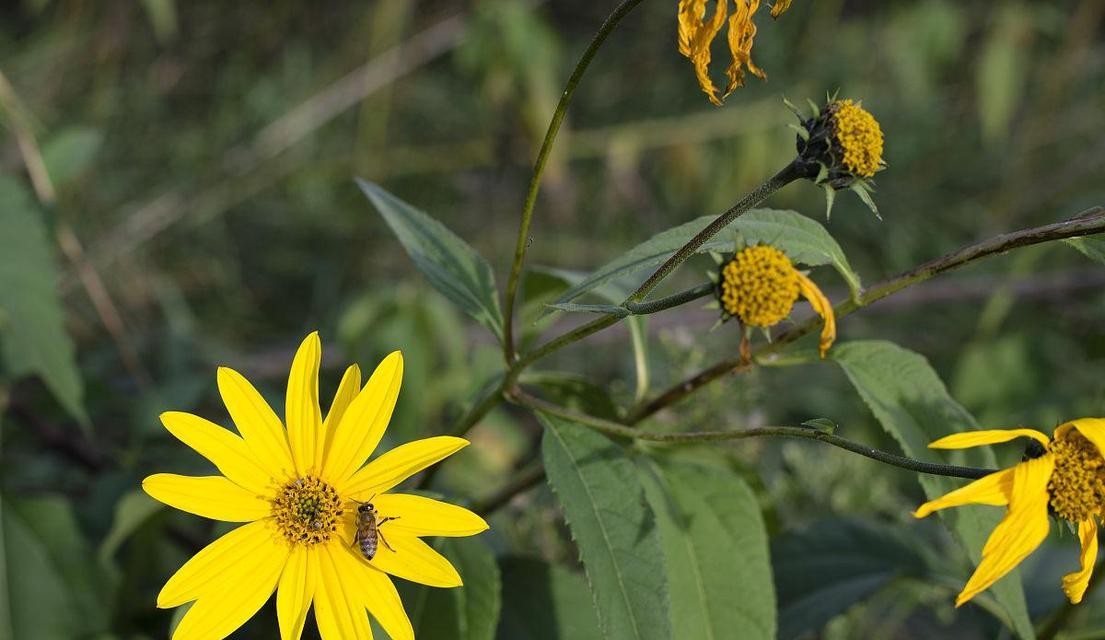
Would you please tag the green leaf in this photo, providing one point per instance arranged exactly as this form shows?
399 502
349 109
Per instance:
803 239
613 527
602 309
715 550
913 406
834 564
545 602
824 425
448 262
32 320
1092 248
70 152
469 612
131 512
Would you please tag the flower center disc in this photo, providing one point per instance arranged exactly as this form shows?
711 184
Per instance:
1077 485
860 138
307 510
759 286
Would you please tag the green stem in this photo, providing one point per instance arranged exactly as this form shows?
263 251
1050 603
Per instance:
620 430
787 175
674 300
607 27
525 480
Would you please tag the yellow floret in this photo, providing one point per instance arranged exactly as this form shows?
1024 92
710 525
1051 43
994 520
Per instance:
859 136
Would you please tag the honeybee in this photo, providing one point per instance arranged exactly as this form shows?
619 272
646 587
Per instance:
368 529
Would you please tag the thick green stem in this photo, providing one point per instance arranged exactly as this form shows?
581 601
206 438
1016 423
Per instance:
620 430
607 27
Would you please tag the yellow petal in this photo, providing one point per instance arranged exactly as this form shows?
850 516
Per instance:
223 562
348 389
1074 584
296 589
246 585
823 307
414 560
301 410
257 423
742 33
969 439
339 612
376 591
695 37
1092 428
399 464
993 489
421 516
780 7
1018 534
212 497
226 450
355 437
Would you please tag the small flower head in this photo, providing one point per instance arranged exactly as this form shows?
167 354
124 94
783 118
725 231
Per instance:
840 147
759 285
297 484
697 33
1064 475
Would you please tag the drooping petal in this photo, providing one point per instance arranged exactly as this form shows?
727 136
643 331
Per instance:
248 583
412 559
421 516
226 450
257 423
301 409
780 7
742 33
1018 534
399 464
376 591
355 437
1074 584
212 497
223 562
969 439
339 612
823 307
348 389
994 489
295 591
695 37
1092 428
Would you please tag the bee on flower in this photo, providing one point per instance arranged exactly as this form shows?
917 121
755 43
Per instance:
301 486
697 33
758 285
1063 475
840 146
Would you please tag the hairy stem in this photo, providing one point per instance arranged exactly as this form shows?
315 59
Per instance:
620 430
607 27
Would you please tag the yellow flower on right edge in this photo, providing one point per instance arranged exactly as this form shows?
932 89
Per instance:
697 33
1067 475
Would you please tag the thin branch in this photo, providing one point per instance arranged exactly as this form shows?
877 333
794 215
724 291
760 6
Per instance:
524 481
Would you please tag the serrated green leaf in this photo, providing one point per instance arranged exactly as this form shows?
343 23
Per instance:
803 239
715 550
545 602
32 321
1092 248
618 541
448 262
469 612
912 405
834 564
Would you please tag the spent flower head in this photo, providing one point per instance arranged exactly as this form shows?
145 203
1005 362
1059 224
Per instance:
1063 475
697 33
758 285
840 146
299 487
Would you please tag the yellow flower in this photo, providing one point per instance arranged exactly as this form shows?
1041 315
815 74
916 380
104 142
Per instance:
298 486
860 138
1068 476
759 286
696 34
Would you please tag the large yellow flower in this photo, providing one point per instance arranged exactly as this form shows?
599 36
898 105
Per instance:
1068 476
696 34
298 486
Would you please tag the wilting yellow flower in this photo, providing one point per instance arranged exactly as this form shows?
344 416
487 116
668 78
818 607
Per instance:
696 34
1068 475
759 286
298 485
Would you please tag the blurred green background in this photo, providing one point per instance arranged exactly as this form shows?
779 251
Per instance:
202 154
